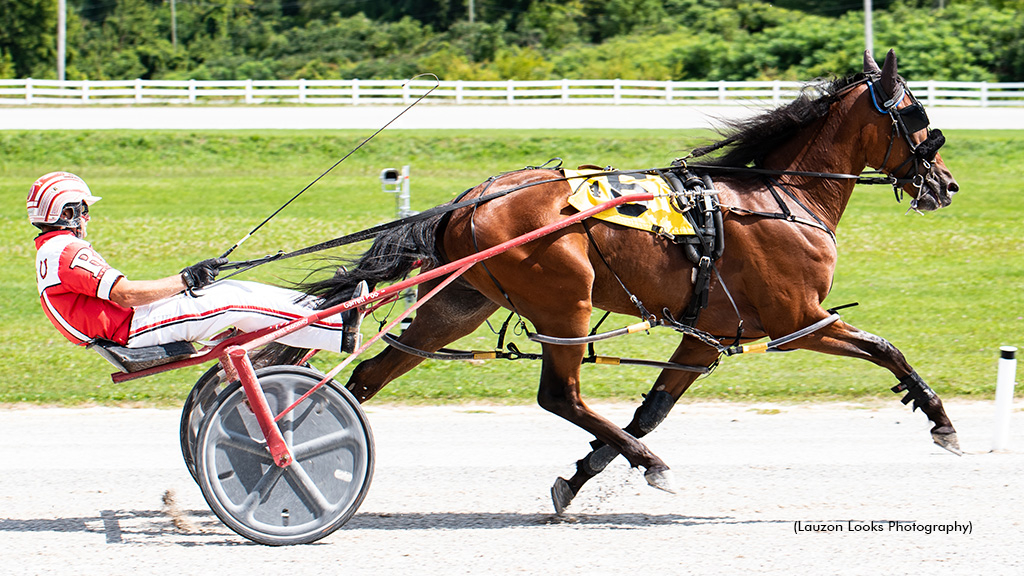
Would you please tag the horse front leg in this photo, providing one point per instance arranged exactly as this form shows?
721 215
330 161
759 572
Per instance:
669 386
843 339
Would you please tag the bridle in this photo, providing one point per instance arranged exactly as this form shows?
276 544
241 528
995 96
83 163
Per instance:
907 121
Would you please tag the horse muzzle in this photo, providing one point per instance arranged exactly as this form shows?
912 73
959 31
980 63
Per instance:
937 185
937 190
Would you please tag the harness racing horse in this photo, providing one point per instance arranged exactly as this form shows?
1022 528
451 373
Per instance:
778 270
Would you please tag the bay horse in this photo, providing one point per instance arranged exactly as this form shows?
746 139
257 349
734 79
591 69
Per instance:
777 270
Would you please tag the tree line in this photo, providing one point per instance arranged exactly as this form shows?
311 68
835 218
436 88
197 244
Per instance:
969 40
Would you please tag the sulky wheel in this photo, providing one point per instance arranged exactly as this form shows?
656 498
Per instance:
329 437
199 401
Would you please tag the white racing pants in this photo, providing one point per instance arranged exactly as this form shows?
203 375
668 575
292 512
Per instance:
247 306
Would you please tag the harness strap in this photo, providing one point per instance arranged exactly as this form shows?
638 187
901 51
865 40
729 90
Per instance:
644 313
476 247
374 231
515 354
784 212
773 182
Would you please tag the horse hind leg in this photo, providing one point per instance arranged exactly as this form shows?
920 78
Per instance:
648 416
670 385
451 314
560 395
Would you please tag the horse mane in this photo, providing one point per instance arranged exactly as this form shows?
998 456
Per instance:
746 142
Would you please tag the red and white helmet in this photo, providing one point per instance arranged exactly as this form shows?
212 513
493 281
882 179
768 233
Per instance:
51 193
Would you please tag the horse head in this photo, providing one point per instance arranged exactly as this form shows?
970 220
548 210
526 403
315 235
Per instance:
905 148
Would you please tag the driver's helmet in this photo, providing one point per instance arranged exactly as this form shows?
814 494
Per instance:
51 193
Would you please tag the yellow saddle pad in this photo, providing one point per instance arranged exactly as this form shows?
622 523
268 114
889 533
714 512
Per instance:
656 215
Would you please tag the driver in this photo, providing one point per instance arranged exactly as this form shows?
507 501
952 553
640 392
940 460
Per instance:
86 299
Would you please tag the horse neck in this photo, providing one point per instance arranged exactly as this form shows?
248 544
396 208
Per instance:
829 145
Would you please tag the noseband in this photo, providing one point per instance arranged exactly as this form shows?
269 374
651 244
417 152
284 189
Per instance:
905 122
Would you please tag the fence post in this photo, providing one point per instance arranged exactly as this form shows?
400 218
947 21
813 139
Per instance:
931 93
617 91
28 90
355 91
192 91
85 91
405 92
984 94
248 91
138 90
510 92
565 90
721 91
668 91
776 92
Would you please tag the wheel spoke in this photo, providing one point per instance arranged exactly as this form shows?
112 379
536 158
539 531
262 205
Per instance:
247 508
309 490
242 442
288 423
323 444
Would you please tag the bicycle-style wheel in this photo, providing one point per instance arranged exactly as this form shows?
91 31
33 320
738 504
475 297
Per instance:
332 445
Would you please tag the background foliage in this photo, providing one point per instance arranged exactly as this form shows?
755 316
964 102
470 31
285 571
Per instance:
517 39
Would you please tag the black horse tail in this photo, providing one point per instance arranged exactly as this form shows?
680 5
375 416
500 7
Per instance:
393 255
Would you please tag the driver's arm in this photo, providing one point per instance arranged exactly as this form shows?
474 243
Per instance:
131 293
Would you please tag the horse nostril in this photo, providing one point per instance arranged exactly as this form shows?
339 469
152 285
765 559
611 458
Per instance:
952 188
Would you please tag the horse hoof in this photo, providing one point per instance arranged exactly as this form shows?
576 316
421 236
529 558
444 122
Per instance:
561 495
948 441
662 479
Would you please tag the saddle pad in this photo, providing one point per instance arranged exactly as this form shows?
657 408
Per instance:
657 215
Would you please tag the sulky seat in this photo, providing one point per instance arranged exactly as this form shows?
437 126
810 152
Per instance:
135 359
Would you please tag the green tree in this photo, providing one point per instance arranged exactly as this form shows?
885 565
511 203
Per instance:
28 37
552 24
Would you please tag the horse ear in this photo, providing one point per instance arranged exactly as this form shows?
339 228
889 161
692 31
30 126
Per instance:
870 66
890 78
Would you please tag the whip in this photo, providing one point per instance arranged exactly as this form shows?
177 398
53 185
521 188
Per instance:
437 83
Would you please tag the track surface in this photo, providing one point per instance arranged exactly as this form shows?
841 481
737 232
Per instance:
464 489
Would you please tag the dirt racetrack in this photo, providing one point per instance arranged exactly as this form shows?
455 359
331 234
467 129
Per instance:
464 490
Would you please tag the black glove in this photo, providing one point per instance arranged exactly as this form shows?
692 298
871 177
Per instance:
202 274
